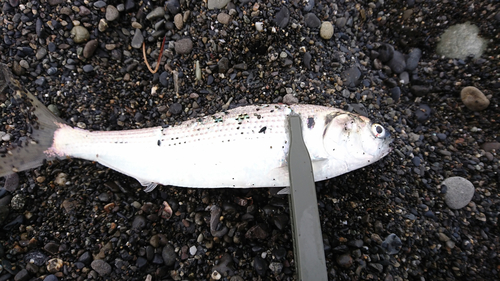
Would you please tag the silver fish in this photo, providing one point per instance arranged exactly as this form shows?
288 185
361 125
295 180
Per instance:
243 147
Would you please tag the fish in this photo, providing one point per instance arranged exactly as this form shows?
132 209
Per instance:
244 147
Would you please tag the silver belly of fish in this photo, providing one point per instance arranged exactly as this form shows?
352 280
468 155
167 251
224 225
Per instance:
243 147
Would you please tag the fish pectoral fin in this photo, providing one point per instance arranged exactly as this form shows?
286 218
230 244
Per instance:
150 186
285 190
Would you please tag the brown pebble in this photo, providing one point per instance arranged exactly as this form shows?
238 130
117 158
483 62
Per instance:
344 260
474 99
90 48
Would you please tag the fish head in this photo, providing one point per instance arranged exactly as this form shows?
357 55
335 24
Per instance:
355 141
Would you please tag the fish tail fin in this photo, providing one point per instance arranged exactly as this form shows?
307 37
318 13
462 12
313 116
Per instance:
30 126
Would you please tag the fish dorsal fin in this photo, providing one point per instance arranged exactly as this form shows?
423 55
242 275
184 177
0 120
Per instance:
150 186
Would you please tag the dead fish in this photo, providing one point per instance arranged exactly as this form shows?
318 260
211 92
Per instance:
240 148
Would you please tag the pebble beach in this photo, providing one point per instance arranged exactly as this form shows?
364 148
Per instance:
428 71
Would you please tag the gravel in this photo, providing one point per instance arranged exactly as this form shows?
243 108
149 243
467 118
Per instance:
403 218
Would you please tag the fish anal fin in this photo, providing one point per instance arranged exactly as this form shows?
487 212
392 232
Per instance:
150 186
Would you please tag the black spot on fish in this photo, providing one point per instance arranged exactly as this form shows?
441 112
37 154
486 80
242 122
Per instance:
310 122
263 130
159 143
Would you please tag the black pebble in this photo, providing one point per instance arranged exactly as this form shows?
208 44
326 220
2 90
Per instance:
397 63
386 51
416 161
282 17
395 93
419 90
413 59
307 59
175 109
260 265
423 113
311 20
173 7
163 78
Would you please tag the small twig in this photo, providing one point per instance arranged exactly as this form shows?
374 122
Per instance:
159 56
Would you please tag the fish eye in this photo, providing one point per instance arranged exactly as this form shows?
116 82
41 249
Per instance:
378 130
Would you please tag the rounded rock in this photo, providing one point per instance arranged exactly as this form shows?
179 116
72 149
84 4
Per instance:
397 63
311 20
175 109
112 13
168 254
184 46
90 48
156 13
282 17
101 267
326 30
179 23
386 51
80 34
223 18
474 99
460 192
344 260
137 40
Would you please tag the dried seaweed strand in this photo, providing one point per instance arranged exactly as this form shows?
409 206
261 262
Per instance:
159 56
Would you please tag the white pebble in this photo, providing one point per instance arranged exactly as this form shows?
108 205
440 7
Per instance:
192 250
